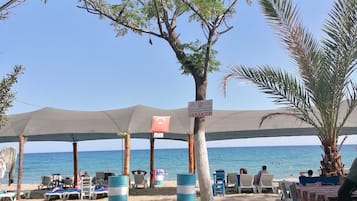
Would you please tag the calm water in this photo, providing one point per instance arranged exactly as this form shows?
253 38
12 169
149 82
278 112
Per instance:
282 161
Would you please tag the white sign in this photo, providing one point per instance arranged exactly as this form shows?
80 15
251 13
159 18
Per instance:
158 135
200 108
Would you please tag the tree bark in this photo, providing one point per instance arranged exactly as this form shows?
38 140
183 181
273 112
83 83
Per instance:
331 163
201 153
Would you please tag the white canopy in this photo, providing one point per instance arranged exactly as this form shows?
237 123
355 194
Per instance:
50 124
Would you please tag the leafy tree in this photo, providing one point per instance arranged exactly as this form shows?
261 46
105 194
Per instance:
6 96
324 95
160 18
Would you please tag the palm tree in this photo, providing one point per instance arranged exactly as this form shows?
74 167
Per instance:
325 69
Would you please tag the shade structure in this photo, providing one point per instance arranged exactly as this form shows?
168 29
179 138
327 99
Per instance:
51 124
236 124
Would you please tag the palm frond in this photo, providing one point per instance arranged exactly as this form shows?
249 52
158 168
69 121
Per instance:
292 113
351 103
340 54
341 45
326 95
302 47
282 87
343 141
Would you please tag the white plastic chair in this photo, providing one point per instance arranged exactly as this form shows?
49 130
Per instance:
266 182
232 180
87 188
45 182
246 182
284 190
292 189
140 181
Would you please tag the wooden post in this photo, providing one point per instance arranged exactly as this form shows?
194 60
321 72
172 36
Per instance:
127 155
191 154
152 146
75 163
20 165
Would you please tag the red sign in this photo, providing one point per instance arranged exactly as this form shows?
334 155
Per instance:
160 124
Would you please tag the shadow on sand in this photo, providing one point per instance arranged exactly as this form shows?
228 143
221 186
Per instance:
153 191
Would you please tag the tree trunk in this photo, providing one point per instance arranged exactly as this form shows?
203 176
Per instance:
331 163
201 154
203 172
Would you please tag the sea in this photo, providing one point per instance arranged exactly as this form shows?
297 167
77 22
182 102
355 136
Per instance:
282 161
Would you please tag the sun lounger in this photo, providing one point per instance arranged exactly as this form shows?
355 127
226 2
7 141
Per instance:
100 191
67 182
25 194
9 195
266 182
325 180
46 182
62 194
99 178
56 193
232 180
246 182
71 192
139 179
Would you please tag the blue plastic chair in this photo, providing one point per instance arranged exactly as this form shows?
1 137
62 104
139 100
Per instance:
219 182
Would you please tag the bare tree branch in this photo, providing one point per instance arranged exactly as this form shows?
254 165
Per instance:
10 4
158 18
93 9
197 13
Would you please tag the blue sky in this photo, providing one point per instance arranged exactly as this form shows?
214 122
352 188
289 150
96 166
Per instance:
74 61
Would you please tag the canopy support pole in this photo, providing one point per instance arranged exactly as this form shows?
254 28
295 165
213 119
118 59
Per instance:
152 146
191 153
127 155
20 165
75 163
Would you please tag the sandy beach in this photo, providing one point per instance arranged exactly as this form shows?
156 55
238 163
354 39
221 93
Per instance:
167 192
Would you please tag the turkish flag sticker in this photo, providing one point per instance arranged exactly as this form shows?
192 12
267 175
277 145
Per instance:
160 124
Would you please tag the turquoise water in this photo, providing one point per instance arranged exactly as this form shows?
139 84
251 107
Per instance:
282 161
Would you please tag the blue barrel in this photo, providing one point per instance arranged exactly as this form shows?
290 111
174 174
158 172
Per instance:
118 188
186 187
